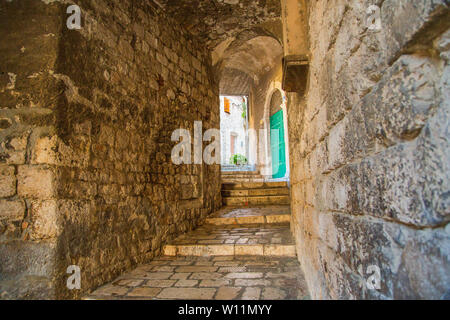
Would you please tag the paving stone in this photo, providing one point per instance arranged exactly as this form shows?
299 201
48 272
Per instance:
144 292
110 290
163 268
196 269
155 275
227 293
129 283
226 263
251 293
205 263
232 269
205 275
244 275
180 275
215 283
252 282
187 293
159 283
290 274
273 294
186 283
181 263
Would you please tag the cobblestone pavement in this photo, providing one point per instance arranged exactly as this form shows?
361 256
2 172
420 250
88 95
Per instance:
224 261
219 278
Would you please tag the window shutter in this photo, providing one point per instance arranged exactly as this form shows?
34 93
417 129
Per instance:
226 104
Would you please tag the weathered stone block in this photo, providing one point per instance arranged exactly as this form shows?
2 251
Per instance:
44 151
406 23
31 265
387 142
7 181
12 210
35 182
12 149
45 222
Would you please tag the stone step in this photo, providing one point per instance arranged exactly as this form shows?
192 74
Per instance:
230 215
238 178
278 218
243 173
230 167
256 192
253 185
255 200
235 240
204 250
243 180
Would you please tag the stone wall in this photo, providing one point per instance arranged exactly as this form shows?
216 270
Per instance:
86 142
30 33
370 151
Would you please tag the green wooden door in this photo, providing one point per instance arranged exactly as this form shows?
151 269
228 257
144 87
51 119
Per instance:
277 145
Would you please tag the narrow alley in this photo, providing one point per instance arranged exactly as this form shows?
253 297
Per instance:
224 149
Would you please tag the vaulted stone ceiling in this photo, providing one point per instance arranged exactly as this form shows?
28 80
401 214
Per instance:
244 36
213 21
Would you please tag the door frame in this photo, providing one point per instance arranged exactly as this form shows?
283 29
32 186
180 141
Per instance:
266 161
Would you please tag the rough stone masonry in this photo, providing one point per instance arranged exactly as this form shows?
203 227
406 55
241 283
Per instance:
86 119
370 151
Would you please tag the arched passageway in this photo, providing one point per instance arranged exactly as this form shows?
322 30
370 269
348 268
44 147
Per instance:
110 157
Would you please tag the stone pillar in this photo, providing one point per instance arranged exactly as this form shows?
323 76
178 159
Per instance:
296 45
295 27
30 32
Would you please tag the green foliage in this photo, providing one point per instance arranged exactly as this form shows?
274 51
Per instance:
244 110
238 159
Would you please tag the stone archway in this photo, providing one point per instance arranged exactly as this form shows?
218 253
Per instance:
266 168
